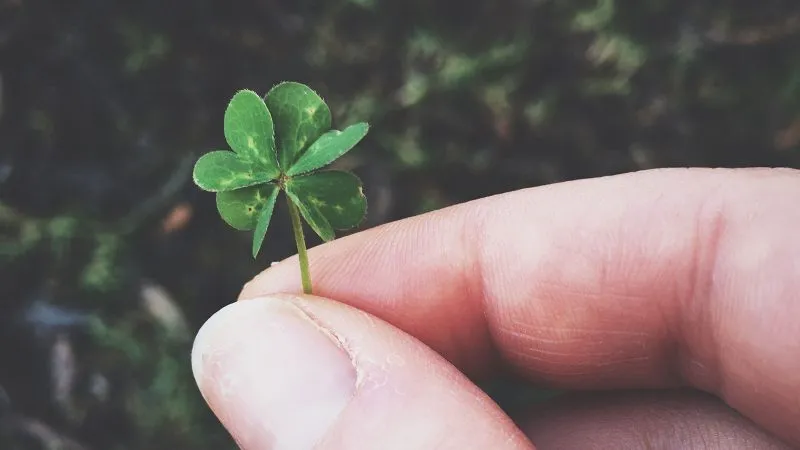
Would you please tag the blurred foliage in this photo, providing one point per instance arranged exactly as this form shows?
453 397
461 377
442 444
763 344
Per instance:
106 249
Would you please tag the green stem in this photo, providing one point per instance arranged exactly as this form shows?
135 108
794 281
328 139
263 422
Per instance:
299 239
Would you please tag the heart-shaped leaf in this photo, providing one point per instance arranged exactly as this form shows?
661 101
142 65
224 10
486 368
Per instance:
300 115
314 217
335 194
249 131
329 147
225 171
263 221
241 208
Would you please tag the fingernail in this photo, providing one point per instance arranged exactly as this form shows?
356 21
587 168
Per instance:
274 377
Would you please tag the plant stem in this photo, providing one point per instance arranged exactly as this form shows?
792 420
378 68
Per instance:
299 239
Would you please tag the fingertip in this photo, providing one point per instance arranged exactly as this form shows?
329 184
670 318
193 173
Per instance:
271 374
339 378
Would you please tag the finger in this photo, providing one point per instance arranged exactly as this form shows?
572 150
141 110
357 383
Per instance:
686 420
656 278
302 373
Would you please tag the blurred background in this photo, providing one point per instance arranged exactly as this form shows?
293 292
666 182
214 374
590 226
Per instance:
110 258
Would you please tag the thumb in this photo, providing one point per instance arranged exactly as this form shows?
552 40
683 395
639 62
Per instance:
289 372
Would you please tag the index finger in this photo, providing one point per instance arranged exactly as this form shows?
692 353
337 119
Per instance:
652 279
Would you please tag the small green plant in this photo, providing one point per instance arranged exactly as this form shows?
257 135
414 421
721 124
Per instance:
279 143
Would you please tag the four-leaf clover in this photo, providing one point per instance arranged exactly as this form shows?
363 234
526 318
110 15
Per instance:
279 143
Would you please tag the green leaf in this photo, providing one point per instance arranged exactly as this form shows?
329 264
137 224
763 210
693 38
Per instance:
314 217
301 116
335 194
249 131
263 221
225 171
329 147
241 208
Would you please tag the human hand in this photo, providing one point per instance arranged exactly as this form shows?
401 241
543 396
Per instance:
652 280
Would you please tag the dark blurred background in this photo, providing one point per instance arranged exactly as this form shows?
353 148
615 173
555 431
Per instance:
110 259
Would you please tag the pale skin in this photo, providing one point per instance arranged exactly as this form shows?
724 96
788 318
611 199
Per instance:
680 278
